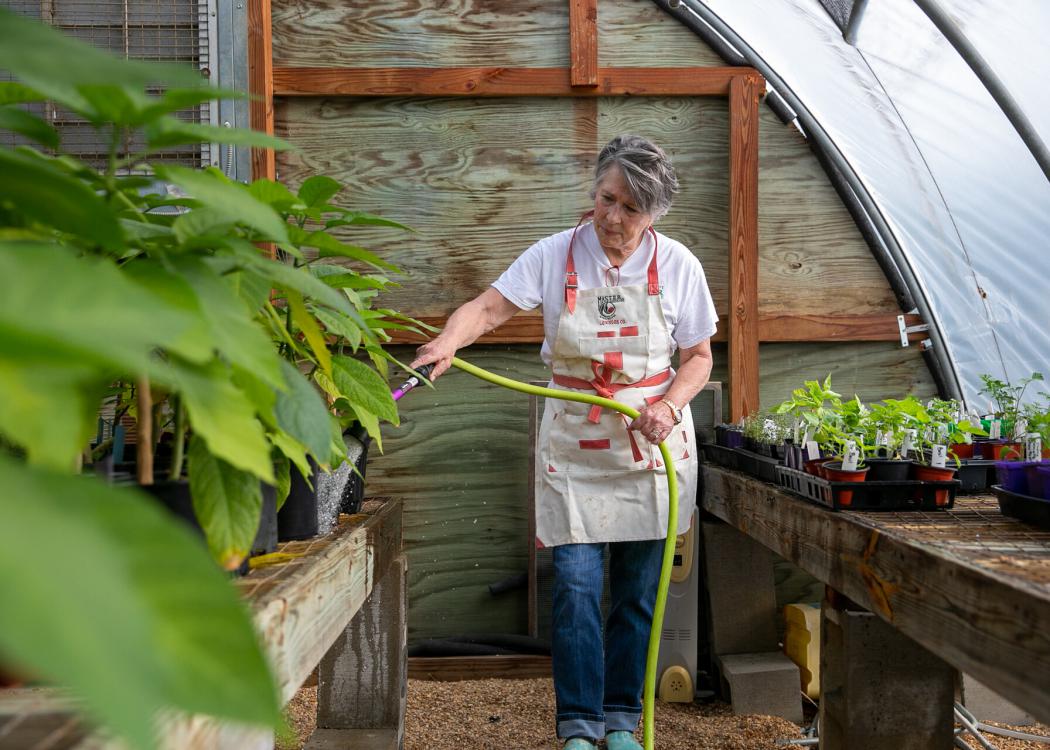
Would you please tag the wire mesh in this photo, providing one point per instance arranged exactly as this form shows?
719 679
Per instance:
976 531
159 30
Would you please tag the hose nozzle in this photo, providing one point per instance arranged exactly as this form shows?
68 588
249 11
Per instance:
412 382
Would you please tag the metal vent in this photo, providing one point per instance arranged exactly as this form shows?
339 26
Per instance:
162 30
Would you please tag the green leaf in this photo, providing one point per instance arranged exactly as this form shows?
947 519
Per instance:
47 194
311 331
236 334
289 277
302 413
197 343
227 502
57 66
104 593
17 120
362 386
329 247
170 131
359 218
17 93
201 225
50 410
282 470
371 424
273 194
107 103
224 416
318 189
343 326
293 450
89 319
174 99
230 199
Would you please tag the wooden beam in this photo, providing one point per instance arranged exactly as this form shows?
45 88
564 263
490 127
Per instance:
452 668
743 246
583 42
476 81
784 328
260 84
779 328
978 602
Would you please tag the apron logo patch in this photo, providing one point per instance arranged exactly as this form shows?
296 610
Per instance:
607 305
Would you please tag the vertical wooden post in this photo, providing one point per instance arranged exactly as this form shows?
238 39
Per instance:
583 42
260 83
743 246
363 679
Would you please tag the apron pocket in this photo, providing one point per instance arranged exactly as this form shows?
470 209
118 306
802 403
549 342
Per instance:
579 446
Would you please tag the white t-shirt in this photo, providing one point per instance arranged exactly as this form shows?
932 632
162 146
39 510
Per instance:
538 277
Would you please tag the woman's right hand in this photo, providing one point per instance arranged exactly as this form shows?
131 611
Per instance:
438 352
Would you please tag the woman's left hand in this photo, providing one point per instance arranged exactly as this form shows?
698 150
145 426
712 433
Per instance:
654 422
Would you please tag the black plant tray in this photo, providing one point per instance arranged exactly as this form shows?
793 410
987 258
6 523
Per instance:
757 465
721 456
1034 510
907 495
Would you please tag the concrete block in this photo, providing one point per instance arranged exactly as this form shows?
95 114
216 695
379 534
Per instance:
741 591
989 706
764 683
880 690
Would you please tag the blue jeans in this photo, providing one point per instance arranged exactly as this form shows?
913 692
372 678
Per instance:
598 692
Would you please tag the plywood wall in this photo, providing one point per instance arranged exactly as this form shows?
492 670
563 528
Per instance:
480 180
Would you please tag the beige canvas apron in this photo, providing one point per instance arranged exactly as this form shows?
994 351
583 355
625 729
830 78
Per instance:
596 481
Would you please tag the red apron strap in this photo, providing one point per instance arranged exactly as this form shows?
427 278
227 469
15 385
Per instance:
654 276
571 279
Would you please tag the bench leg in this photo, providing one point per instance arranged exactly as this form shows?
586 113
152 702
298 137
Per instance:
879 689
363 679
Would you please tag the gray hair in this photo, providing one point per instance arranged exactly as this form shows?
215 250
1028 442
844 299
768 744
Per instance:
646 169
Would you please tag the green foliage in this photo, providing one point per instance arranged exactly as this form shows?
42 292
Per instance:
106 594
1007 398
100 292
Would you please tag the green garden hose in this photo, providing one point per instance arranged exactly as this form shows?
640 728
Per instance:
649 693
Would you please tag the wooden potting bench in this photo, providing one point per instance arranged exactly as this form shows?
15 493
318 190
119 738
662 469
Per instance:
969 587
337 605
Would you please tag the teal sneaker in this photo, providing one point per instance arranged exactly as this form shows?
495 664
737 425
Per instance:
579 743
621 741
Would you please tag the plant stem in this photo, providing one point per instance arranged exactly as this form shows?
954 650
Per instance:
180 438
144 439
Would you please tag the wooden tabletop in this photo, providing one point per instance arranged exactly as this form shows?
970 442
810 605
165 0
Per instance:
969 584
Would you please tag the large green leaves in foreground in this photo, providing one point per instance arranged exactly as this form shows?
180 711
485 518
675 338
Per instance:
106 594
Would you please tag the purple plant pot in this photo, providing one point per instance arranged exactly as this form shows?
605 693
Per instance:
734 439
1043 470
1013 475
1035 479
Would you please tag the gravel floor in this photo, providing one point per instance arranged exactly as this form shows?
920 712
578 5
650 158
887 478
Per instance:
518 715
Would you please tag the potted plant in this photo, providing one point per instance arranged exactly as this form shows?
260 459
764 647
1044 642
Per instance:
1006 408
848 465
930 443
813 408
886 428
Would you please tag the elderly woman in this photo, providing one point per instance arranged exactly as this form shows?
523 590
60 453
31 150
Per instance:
618 298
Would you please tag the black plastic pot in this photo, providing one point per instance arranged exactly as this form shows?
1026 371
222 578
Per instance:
266 538
888 470
175 496
297 518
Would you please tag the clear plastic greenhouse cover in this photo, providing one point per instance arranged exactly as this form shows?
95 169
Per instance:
967 201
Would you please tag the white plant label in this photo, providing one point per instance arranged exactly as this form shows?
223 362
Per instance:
798 428
812 450
1020 428
995 430
940 453
942 433
1033 447
807 436
881 438
851 457
909 442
